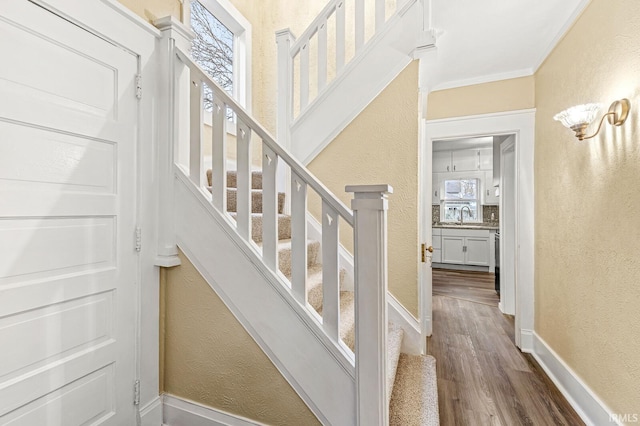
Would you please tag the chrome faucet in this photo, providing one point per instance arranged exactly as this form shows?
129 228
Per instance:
462 214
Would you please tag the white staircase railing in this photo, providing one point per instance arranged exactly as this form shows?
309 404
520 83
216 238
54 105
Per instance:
319 55
348 54
368 220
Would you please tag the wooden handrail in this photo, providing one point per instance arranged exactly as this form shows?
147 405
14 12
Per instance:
297 167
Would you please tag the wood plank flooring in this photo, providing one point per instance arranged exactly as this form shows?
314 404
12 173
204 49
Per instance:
472 286
483 379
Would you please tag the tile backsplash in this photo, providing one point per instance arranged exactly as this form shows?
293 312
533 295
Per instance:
486 214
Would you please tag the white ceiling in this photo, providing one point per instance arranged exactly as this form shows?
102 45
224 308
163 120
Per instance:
489 40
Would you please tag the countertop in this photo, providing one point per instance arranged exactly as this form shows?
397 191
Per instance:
489 226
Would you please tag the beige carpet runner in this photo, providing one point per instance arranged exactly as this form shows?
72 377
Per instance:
411 380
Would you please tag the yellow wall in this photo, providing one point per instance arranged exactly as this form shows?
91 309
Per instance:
587 206
209 357
381 146
153 9
267 17
497 96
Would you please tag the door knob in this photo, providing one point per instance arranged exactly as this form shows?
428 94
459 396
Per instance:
426 249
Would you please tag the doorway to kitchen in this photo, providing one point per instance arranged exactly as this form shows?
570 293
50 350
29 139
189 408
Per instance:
466 212
469 207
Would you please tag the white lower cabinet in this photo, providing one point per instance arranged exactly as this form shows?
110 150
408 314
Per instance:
436 256
466 247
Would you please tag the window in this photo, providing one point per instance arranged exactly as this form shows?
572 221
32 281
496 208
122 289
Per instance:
222 47
461 196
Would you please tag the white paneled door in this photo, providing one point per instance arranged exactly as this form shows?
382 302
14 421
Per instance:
68 263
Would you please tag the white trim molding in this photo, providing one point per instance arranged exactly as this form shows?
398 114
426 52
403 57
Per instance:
178 412
151 414
582 398
522 124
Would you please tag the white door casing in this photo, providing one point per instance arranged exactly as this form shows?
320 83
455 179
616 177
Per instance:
508 227
68 265
521 124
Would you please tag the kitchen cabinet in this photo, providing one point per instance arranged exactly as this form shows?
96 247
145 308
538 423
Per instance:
436 238
464 160
442 161
490 197
466 247
435 188
486 160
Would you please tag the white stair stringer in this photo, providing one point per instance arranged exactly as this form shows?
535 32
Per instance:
320 371
363 78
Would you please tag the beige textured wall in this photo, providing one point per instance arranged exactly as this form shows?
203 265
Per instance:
588 204
210 358
267 17
497 96
381 146
153 9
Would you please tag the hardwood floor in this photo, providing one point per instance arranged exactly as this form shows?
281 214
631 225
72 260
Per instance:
483 379
472 286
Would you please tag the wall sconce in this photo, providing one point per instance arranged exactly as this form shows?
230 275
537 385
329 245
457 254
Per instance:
579 117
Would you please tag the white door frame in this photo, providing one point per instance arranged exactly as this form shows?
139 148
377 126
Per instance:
522 124
110 20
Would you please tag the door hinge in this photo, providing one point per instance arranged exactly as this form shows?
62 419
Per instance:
138 86
138 238
136 392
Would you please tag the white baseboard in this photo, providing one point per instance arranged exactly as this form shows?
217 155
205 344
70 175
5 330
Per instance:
526 341
151 413
179 412
588 406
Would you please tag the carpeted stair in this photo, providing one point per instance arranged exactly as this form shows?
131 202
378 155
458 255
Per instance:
411 380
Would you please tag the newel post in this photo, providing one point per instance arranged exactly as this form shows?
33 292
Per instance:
174 34
370 257
284 40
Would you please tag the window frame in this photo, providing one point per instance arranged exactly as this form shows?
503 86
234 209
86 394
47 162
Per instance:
231 18
477 200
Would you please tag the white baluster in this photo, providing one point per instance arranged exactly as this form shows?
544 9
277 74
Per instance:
380 14
218 153
269 208
304 75
370 257
298 238
340 35
195 121
359 24
243 200
322 56
330 271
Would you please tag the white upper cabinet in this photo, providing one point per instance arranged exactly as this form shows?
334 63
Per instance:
442 162
486 159
435 189
490 197
465 160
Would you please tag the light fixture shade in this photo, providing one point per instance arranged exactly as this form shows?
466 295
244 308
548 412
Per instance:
577 116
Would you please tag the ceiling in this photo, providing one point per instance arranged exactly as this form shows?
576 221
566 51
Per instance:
489 40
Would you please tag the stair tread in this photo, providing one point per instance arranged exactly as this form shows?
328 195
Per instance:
415 393
256 178
314 285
